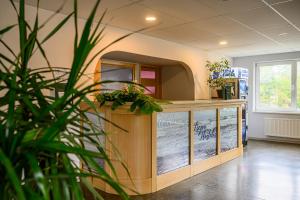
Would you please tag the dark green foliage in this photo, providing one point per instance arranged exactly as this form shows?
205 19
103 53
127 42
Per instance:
133 94
39 133
216 69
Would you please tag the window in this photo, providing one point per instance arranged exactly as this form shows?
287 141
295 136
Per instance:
115 71
278 86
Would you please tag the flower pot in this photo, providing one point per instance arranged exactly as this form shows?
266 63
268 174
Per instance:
220 93
226 90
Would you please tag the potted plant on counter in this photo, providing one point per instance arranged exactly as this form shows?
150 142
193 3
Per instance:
133 94
216 78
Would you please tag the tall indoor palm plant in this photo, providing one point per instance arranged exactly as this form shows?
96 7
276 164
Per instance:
38 132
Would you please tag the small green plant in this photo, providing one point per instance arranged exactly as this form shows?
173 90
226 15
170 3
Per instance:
132 93
217 69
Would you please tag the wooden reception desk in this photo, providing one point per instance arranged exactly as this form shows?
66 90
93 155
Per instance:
164 148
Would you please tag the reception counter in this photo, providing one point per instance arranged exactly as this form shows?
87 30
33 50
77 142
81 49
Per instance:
185 139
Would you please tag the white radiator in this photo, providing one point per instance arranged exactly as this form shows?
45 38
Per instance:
289 128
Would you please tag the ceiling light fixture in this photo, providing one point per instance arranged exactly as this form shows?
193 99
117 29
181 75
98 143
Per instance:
224 42
150 18
282 34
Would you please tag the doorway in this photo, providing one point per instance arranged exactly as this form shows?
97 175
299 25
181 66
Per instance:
150 77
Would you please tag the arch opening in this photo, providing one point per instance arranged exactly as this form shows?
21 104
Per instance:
176 81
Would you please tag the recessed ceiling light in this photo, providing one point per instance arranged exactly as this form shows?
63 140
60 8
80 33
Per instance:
282 34
150 18
223 42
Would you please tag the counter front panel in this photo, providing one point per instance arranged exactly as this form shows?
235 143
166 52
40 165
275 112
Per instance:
205 134
172 141
98 123
229 128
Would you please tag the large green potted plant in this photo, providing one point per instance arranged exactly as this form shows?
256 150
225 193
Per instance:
40 133
216 78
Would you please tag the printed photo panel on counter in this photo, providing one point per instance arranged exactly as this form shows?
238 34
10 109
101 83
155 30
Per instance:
98 124
172 141
205 134
228 128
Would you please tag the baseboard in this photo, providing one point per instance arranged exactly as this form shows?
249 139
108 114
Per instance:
277 139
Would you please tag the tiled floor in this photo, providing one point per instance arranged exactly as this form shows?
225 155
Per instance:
266 171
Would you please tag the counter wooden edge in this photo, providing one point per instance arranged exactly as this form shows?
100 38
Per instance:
181 105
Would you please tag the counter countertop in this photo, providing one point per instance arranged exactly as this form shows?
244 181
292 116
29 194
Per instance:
202 103
192 104
209 101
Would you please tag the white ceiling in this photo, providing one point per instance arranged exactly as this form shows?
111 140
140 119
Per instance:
251 27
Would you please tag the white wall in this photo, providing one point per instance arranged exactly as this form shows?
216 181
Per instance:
60 48
256 120
214 56
176 83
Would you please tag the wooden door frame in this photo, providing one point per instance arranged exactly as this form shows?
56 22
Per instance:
158 77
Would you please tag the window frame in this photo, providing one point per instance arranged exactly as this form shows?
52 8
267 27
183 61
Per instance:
293 108
120 64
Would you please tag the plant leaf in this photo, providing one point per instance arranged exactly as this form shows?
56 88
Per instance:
12 175
38 175
6 29
57 28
